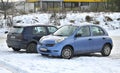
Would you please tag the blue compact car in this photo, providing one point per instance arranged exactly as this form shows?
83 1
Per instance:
71 40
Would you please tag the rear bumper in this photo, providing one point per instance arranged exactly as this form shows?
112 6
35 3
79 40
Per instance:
16 44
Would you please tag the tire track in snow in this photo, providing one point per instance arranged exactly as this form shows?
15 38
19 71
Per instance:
12 68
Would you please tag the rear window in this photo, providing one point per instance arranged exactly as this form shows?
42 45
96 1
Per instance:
16 30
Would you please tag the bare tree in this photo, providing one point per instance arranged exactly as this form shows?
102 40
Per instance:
4 6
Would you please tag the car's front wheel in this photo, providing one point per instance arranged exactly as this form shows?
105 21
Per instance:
106 50
67 52
16 49
44 54
31 48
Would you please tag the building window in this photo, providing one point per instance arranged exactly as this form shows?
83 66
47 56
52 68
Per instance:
37 4
67 5
84 4
51 5
71 4
75 4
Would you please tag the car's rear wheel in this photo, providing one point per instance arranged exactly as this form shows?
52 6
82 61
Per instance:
16 49
106 50
67 52
31 48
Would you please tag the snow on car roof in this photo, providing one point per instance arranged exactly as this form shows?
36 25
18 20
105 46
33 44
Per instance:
25 25
79 24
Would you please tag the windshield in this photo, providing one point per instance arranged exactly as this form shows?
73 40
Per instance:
65 31
16 30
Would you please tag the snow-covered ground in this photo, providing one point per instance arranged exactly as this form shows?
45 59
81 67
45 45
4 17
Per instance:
21 62
4 70
110 21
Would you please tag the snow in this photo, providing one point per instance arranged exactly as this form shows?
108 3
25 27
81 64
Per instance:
112 27
114 32
35 64
32 18
3 70
22 62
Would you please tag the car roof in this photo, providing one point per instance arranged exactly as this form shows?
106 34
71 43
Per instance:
31 25
82 25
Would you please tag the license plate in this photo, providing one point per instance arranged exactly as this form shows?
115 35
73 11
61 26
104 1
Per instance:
43 49
12 37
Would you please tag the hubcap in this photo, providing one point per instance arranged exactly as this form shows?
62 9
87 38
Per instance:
31 48
107 50
67 53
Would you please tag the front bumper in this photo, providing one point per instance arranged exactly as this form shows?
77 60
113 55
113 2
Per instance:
51 51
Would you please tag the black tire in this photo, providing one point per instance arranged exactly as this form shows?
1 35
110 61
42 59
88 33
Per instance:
16 49
67 52
31 48
44 54
106 50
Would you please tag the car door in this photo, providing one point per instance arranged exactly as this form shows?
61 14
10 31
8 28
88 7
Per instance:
38 32
82 40
98 38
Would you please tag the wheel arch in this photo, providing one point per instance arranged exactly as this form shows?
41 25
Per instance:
70 46
32 42
111 46
31 50
72 52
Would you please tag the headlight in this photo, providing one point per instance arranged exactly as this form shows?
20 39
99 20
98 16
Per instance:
59 40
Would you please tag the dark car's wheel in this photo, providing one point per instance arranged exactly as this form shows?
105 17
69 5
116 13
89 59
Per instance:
16 49
106 50
44 54
31 48
67 52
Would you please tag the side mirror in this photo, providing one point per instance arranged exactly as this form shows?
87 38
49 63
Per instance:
78 35
6 32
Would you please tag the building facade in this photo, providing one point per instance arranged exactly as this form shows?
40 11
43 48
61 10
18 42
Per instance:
57 5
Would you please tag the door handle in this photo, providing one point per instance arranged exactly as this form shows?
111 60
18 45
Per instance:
89 39
103 38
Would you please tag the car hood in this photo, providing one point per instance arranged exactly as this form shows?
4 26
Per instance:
51 39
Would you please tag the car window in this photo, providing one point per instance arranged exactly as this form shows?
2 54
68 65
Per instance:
39 30
84 31
97 31
16 30
52 29
65 31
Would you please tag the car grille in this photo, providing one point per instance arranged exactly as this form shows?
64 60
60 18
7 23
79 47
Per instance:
47 45
50 45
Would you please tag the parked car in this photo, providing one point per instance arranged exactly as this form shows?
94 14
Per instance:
72 40
27 37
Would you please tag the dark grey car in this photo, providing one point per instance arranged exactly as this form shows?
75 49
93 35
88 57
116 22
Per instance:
27 37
